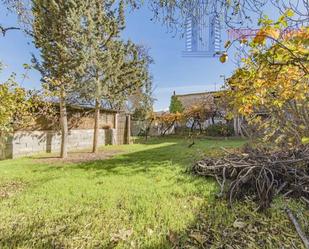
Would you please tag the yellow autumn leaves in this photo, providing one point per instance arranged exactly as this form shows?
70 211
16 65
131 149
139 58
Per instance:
273 82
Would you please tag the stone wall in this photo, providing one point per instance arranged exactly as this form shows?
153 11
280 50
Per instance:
6 147
26 143
2 148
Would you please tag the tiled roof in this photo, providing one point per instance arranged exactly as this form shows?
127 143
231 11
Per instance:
207 98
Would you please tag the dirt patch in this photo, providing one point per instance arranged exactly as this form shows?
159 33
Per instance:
80 157
11 188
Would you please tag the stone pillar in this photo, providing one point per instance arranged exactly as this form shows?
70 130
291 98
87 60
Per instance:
128 129
114 138
115 131
6 148
116 121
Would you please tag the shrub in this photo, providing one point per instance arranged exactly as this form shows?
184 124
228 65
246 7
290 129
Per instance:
219 130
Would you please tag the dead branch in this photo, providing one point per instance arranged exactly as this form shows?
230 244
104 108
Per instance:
260 174
297 227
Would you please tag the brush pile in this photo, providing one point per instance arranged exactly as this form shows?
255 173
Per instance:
260 174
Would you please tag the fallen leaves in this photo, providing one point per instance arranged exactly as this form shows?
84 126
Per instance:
150 231
10 188
199 238
121 235
242 227
239 224
173 238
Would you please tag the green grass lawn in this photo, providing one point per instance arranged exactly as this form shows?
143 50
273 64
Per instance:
140 198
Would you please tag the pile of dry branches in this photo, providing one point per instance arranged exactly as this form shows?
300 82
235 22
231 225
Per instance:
260 174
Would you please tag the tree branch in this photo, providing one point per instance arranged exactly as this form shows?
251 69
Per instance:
298 228
4 30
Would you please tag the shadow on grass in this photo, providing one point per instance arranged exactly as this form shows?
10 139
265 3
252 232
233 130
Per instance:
141 160
155 155
172 159
212 226
169 155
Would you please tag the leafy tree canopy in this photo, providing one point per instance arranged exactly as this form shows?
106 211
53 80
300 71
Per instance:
19 107
274 81
176 105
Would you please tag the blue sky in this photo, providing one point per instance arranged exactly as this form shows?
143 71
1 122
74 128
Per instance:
171 71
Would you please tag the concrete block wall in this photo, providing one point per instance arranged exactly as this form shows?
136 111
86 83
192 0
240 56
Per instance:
111 137
6 147
25 143
2 148
122 128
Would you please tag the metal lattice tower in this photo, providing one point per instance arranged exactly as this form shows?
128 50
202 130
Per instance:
203 35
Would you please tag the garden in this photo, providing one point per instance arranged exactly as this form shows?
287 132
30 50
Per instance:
143 197
230 170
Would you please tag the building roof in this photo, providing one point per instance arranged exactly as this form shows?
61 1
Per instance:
199 94
205 98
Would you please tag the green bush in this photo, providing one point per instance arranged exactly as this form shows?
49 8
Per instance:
219 130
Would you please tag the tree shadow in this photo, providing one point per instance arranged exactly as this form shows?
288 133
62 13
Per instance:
172 155
169 155
146 161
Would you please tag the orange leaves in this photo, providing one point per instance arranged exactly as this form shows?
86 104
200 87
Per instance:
260 37
272 32
246 109
203 109
170 117
264 33
301 35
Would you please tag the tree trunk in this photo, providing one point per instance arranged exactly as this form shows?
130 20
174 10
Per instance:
96 127
240 127
168 128
200 125
213 120
235 125
148 129
64 125
192 126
